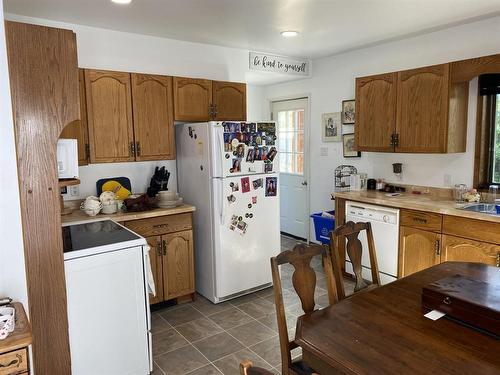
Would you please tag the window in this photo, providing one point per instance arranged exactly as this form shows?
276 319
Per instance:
495 149
291 141
487 156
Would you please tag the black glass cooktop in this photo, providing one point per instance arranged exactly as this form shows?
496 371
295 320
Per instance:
99 233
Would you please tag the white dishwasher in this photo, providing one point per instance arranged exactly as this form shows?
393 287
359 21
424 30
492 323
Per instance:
385 227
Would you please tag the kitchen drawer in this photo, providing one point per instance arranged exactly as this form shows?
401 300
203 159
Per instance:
484 231
15 362
160 225
421 220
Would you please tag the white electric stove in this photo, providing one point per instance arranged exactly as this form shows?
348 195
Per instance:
108 302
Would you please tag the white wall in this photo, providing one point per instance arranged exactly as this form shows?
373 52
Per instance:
12 271
333 81
113 50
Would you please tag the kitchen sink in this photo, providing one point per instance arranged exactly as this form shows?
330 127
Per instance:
484 208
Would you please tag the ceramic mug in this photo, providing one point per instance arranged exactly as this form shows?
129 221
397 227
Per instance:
166 195
109 207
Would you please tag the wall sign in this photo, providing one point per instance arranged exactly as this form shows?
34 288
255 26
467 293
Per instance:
279 64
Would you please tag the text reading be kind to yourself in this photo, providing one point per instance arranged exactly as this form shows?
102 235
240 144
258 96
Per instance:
279 64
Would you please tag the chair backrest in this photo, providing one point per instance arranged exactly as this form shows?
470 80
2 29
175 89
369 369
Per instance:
304 283
246 368
351 231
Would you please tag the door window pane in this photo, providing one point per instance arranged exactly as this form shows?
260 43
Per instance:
291 141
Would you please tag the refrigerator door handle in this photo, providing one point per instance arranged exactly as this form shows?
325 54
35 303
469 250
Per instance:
220 144
220 195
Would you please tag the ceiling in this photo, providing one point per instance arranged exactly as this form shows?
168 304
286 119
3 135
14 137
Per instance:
326 26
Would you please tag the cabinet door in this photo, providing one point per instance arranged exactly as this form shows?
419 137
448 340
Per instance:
178 264
418 250
192 99
78 129
422 114
155 254
153 110
465 250
229 100
109 115
375 112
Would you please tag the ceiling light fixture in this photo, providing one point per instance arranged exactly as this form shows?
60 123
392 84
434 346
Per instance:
121 1
289 33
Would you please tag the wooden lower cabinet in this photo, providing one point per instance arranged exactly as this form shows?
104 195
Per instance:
418 249
178 264
171 255
156 258
465 250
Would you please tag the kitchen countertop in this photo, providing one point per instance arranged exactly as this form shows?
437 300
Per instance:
421 202
80 217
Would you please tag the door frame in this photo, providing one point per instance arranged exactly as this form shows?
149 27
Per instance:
307 161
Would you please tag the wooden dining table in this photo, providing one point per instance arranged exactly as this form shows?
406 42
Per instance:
384 331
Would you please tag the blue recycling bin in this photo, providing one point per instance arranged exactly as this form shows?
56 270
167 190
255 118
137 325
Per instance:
323 226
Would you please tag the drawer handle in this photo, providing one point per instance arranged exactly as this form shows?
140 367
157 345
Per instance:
160 225
13 362
447 301
419 220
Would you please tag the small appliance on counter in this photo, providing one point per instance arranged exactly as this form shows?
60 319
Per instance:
371 184
67 158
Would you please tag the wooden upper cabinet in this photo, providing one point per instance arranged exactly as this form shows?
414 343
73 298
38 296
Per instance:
78 129
464 250
422 114
376 112
153 117
178 264
229 100
418 249
109 112
426 112
192 99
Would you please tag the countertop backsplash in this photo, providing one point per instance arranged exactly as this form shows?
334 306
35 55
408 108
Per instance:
139 174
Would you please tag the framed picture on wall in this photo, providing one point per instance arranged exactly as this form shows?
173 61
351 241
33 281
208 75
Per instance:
348 146
332 127
348 111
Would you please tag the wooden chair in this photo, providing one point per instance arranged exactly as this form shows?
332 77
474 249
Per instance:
246 368
304 283
351 231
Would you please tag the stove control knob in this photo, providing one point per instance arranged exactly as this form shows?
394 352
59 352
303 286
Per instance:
385 218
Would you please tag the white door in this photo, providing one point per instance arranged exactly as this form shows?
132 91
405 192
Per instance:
291 117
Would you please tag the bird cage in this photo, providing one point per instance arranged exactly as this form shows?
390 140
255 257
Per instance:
343 177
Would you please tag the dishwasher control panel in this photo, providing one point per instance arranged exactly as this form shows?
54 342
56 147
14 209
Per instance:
369 213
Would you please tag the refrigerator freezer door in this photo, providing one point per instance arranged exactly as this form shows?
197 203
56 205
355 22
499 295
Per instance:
246 232
243 148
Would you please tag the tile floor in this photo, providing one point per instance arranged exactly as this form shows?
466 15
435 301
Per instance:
201 338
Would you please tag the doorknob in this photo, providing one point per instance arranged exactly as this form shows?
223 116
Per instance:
304 183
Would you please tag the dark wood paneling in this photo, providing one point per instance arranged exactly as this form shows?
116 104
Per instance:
44 86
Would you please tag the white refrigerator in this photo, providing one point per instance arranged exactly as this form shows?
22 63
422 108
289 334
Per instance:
229 171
